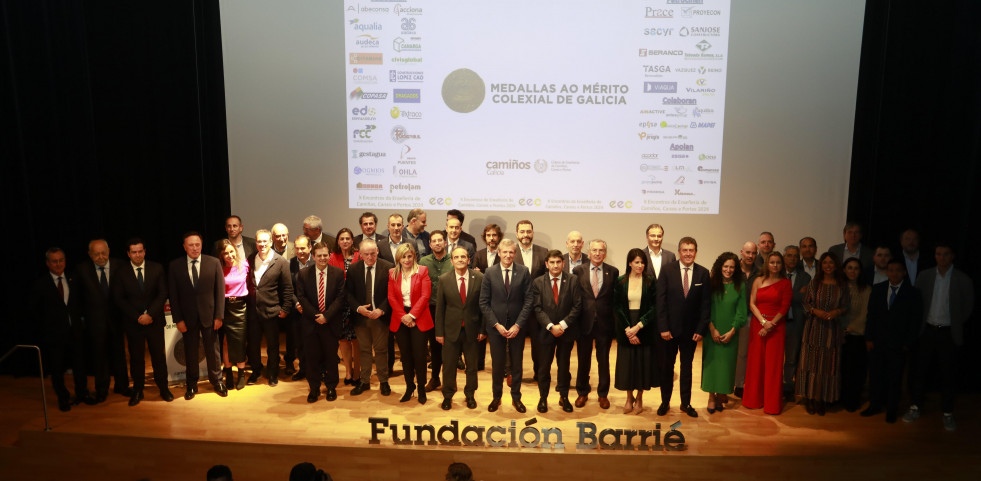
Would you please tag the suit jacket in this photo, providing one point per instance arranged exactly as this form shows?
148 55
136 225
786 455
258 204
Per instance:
868 275
133 301
420 290
202 303
248 245
568 262
294 275
274 292
961 299
356 289
469 238
680 315
538 258
667 257
480 260
385 250
471 249
597 309
334 298
56 319
287 253
327 239
451 311
648 313
569 308
502 306
801 280
97 307
360 237
893 327
865 254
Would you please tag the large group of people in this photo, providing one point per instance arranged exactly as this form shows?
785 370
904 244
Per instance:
776 326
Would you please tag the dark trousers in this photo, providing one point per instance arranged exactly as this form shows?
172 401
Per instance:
106 340
62 352
795 333
140 338
584 351
269 328
195 336
854 370
391 352
293 350
320 347
412 345
452 350
885 378
534 335
502 349
936 342
560 349
253 340
481 354
373 348
435 348
671 349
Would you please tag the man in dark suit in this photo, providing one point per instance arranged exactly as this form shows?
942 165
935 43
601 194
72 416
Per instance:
313 228
196 286
458 324
876 272
531 256
483 259
595 280
556 303
281 241
909 243
795 317
505 302
367 297
140 292
321 292
270 299
369 225
894 315
657 257
437 262
234 228
104 331
56 302
454 238
948 299
392 241
294 336
766 244
852 247
684 308
456 214
574 258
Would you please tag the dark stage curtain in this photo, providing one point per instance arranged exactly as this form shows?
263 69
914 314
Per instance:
113 126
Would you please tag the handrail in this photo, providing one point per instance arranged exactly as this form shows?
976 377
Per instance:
40 365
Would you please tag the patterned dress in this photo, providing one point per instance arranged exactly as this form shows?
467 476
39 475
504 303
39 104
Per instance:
819 369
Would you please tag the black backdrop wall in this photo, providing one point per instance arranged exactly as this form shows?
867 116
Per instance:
113 124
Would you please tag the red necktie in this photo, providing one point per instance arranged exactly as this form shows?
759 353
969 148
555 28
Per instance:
685 283
555 290
463 294
322 293
507 280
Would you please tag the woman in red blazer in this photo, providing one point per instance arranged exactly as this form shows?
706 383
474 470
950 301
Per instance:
409 289
346 255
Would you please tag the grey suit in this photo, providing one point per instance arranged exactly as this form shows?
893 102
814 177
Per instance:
506 307
267 298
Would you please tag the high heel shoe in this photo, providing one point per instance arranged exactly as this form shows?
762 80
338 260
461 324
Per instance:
711 406
422 395
408 394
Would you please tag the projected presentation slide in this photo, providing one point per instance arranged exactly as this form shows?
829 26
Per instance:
572 106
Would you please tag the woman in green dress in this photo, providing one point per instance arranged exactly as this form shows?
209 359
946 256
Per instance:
729 313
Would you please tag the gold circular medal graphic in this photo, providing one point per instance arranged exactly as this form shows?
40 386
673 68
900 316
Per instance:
463 90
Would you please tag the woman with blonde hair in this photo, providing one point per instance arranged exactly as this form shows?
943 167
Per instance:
409 289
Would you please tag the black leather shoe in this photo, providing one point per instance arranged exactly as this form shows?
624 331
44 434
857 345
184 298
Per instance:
662 409
386 389
300 375
220 389
360 388
566 405
123 391
471 403
689 410
101 397
738 392
87 399
166 395
331 394
136 398
254 377
494 405
871 411
422 396
189 394
891 417
274 382
312 396
543 406
447 404
240 381
518 406
64 404
289 371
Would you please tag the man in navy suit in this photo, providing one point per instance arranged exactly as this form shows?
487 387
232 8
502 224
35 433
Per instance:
556 303
595 281
294 343
532 256
657 257
458 324
270 299
505 301
320 290
684 309
197 306
56 302
454 238
894 313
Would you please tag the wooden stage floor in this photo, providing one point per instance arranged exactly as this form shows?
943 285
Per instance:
262 431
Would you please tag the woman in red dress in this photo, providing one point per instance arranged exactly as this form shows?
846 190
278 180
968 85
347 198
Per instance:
768 302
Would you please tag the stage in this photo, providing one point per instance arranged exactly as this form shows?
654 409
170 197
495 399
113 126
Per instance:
260 432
